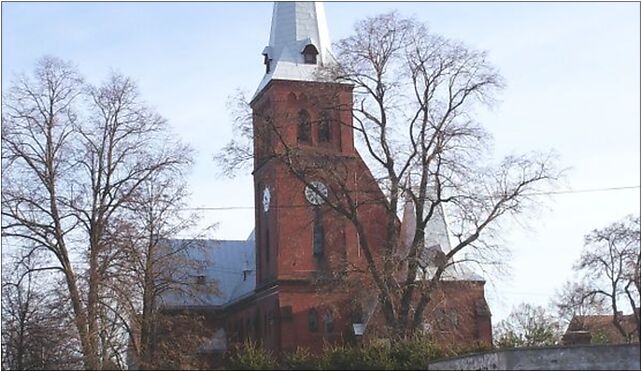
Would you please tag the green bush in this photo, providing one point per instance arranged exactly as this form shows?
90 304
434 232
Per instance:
476 347
249 357
410 354
339 357
415 353
371 357
377 357
300 360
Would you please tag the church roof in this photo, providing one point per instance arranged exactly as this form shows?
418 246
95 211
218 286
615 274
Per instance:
294 26
229 268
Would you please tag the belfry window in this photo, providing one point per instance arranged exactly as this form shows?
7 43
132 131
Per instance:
310 53
303 127
324 128
313 320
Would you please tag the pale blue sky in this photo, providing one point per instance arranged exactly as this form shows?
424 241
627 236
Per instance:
573 85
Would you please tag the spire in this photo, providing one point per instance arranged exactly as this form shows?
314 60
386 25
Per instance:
299 42
436 230
408 221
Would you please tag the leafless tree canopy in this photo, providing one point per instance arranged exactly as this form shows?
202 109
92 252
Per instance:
577 298
37 329
92 182
415 95
610 266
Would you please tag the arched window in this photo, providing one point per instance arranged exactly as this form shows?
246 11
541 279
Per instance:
310 53
313 320
318 234
292 97
267 244
328 322
324 128
303 128
357 313
269 322
257 324
266 325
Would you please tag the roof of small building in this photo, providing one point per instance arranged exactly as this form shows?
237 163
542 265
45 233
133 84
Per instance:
602 326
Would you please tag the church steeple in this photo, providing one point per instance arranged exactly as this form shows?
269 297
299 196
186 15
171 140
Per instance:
299 42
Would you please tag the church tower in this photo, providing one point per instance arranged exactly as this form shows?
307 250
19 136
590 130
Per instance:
299 115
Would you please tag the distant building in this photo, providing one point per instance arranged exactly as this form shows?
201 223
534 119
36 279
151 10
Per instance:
600 329
277 288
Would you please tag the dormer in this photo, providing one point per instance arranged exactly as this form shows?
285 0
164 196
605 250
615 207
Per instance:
310 54
267 59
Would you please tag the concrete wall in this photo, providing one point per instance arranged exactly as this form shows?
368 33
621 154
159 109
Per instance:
580 357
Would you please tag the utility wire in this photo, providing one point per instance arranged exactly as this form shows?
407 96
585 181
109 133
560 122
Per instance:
562 192
584 191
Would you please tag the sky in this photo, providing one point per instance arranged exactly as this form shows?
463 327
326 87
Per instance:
573 86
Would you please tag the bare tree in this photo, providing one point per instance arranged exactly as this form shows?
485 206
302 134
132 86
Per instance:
74 156
578 299
37 330
610 264
413 116
153 266
37 124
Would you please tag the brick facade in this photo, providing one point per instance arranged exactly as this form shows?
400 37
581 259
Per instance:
306 297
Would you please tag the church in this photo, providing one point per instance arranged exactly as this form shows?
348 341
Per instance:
298 281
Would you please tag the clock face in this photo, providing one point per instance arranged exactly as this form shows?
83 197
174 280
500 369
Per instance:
312 196
266 199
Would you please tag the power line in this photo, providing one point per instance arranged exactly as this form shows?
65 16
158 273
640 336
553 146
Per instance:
561 192
584 191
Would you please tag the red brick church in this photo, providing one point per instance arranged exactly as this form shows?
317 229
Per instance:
280 287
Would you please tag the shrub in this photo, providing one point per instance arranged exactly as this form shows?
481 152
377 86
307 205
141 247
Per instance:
249 356
377 357
371 357
300 360
415 353
339 357
476 347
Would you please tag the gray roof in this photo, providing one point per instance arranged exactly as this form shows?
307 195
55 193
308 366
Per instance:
457 271
229 268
